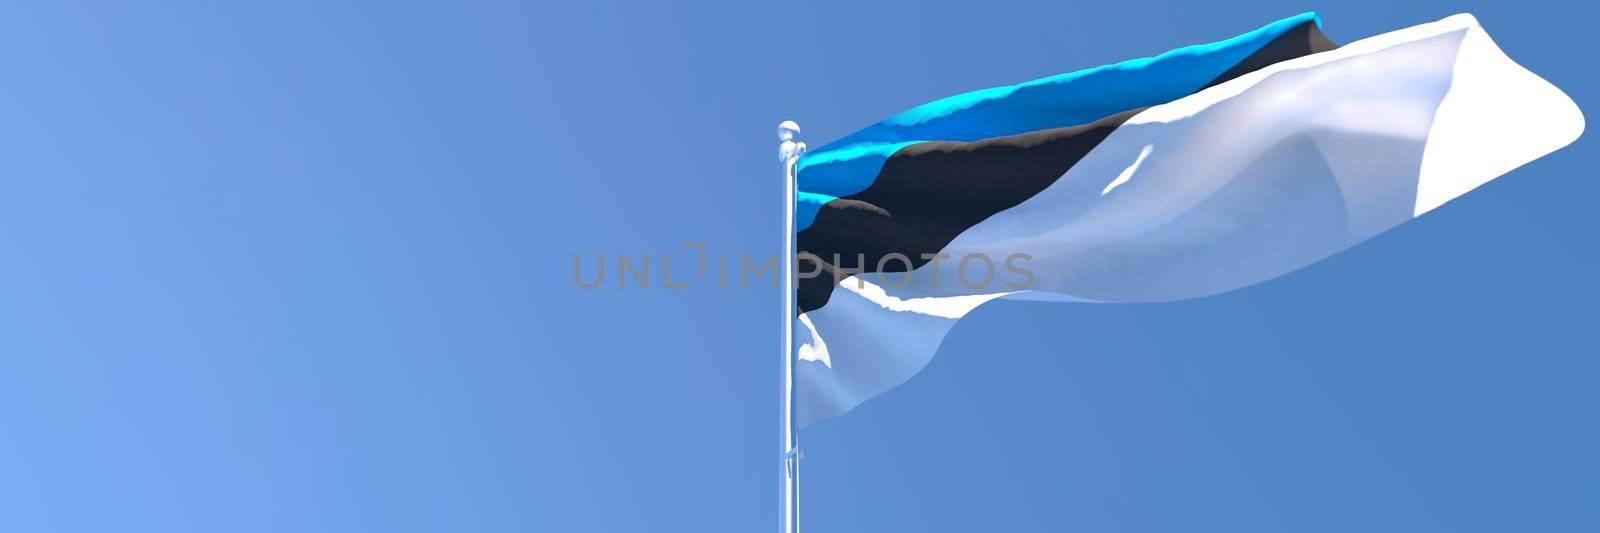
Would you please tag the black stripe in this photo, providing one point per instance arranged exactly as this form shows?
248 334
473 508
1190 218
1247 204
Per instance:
1302 40
929 193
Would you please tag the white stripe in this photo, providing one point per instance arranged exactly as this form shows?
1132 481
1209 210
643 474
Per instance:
1127 173
1497 117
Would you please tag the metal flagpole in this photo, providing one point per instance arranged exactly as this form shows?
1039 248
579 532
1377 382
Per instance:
789 151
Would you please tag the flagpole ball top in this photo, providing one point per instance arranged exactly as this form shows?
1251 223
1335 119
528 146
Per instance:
788 130
789 146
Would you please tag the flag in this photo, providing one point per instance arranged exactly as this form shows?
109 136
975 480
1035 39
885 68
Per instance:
1202 170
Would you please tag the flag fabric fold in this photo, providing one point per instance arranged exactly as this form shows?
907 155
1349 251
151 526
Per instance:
1283 150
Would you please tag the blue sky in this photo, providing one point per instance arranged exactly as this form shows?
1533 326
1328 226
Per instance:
307 267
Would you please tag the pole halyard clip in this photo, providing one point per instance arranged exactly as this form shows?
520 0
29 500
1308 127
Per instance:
792 458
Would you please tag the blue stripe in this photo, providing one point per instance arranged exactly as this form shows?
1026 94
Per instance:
848 165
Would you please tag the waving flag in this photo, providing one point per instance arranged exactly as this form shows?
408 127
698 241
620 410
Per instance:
1198 171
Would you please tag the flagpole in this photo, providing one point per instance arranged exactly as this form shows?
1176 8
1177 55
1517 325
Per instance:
789 150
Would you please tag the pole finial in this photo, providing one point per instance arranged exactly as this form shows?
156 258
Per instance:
790 146
788 130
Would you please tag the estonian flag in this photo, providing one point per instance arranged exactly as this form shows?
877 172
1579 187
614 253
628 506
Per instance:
1198 171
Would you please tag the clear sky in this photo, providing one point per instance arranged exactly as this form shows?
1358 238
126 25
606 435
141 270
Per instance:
307 266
